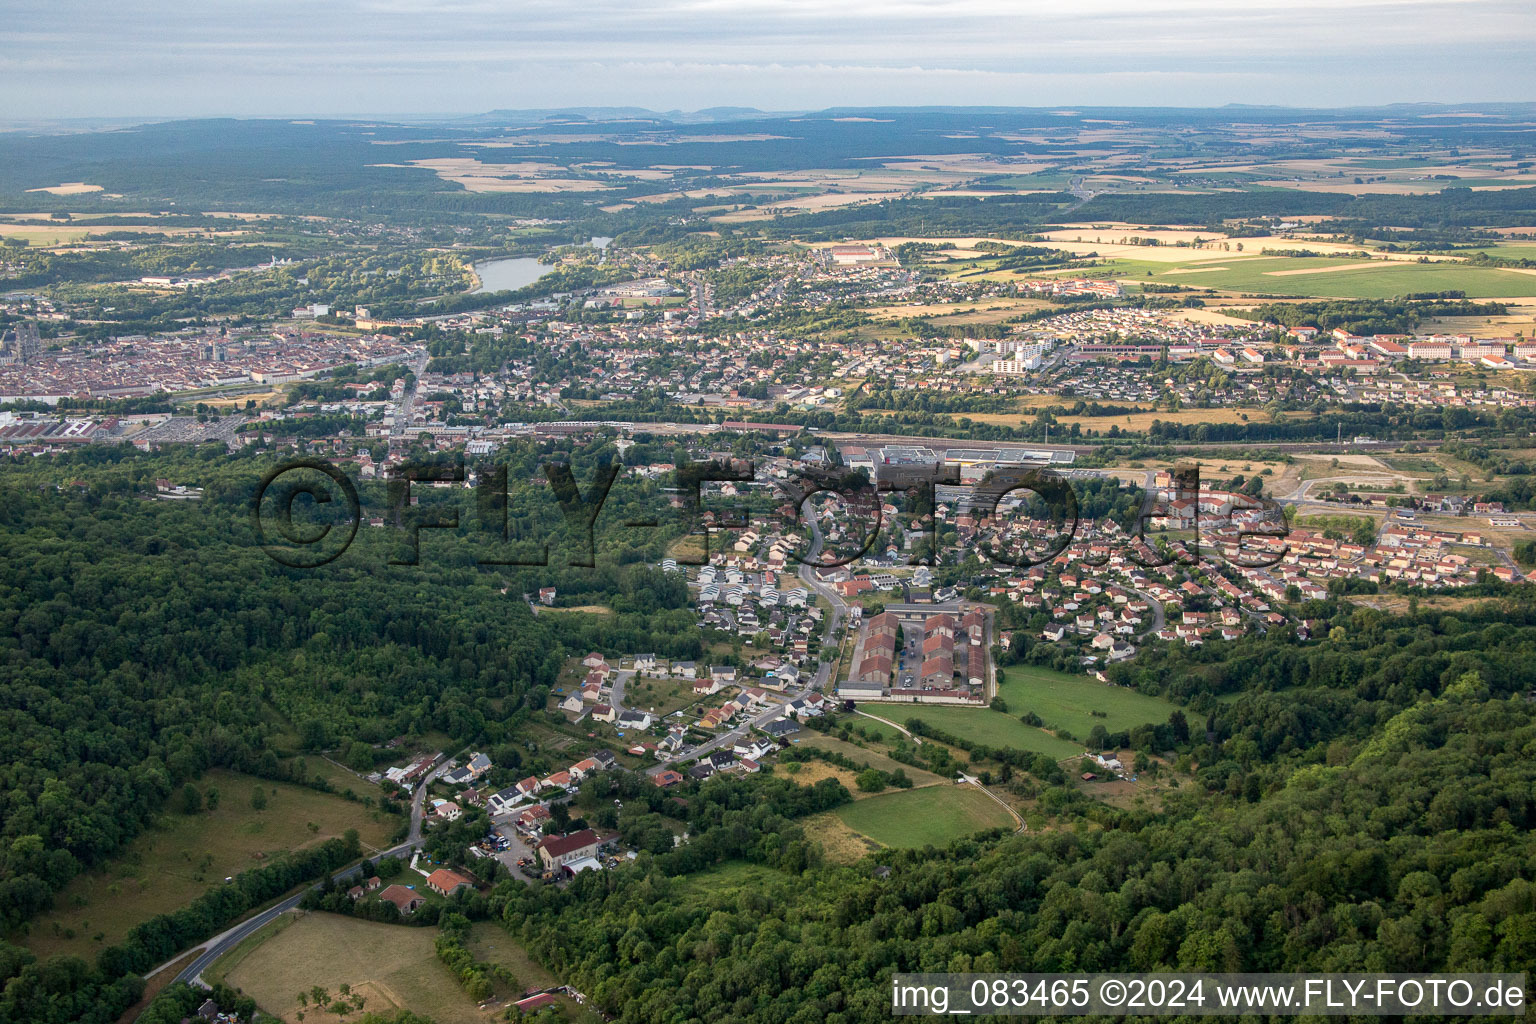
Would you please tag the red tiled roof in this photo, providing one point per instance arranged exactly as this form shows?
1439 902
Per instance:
556 846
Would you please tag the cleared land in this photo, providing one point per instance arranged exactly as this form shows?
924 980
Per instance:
730 877
932 816
182 855
839 843
394 966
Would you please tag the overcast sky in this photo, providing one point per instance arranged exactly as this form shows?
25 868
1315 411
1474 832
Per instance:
84 58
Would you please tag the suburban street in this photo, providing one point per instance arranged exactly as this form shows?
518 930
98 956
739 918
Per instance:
817 682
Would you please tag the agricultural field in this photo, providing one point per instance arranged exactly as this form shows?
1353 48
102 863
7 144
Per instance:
935 815
43 234
1068 702
1332 277
181 855
1515 251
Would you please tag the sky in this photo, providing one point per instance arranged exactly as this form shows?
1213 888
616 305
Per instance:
127 58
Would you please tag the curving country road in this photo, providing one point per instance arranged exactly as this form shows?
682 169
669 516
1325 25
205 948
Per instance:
227 940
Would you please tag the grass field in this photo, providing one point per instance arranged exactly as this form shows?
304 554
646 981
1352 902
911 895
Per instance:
492 944
1137 421
392 965
182 855
983 725
1513 252
1413 463
876 730
932 816
730 877
662 696
1066 701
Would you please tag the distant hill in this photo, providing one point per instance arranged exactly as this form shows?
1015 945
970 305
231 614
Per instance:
609 114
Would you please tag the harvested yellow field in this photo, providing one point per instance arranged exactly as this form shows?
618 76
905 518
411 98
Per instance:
46 232
812 772
260 398
979 312
1210 317
1519 320
527 176
1144 420
69 188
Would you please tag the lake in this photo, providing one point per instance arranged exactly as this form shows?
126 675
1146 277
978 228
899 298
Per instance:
519 271
509 274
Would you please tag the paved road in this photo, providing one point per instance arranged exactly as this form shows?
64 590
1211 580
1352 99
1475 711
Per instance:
227 940
1159 618
808 574
616 694
408 400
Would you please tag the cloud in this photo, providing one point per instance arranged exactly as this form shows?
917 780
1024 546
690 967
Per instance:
403 56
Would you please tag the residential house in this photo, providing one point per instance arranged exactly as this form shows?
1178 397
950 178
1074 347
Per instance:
446 882
405 900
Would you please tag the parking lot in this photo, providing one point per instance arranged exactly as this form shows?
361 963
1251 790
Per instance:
516 849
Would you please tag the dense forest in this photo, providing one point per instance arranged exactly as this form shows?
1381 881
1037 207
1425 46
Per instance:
1367 804
1408 848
